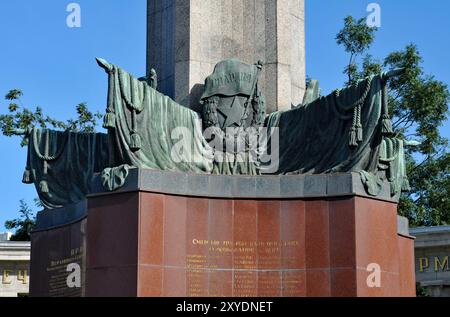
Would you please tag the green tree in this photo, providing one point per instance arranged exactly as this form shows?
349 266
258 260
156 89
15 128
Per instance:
20 117
356 37
24 224
418 104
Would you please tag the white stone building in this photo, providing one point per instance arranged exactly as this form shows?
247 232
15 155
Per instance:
14 267
432 252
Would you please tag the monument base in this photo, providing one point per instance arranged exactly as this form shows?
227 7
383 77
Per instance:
169 234
172 234
58 241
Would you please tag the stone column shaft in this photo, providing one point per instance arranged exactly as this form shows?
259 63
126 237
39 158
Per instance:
186 38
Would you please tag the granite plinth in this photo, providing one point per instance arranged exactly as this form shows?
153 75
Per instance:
144 241
174 234
248 187
58 241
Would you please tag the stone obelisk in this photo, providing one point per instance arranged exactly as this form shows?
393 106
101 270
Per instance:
186 38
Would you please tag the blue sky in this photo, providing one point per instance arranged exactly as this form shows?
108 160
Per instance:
54 65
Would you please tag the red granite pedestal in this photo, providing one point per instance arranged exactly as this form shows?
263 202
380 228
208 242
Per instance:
153 244
52 250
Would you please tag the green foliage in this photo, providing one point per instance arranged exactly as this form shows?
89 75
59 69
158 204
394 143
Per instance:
429 201
86 121
370 66
421 291
418 104
356 37
14 94
24 224
19 117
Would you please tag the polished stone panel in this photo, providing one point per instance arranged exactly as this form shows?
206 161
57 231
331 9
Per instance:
240 186
52 250
200 246
149 240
